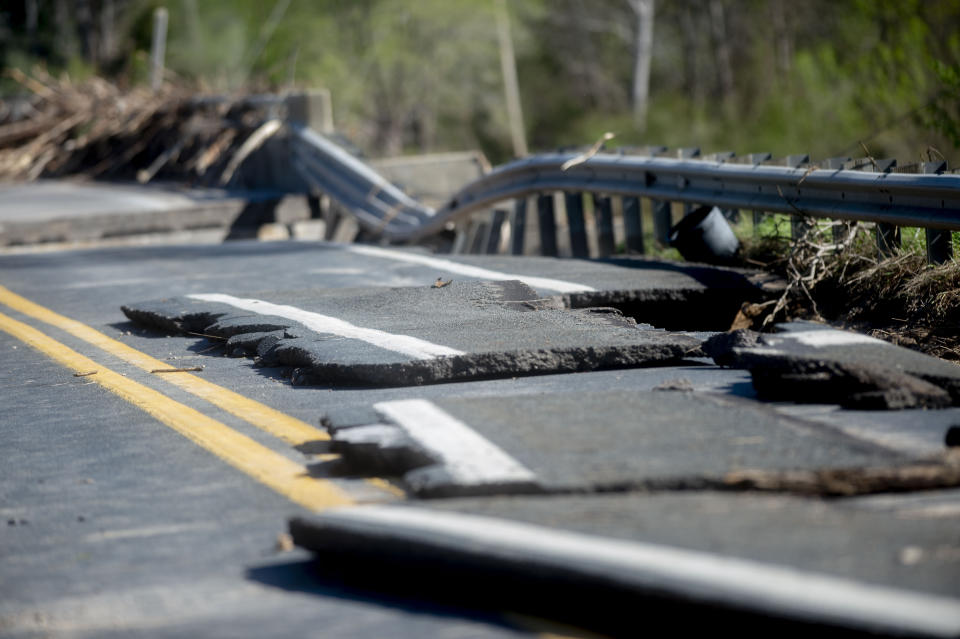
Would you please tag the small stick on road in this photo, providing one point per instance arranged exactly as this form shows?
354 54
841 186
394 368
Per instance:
206 335
191 369
85 374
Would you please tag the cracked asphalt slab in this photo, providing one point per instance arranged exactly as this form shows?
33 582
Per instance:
599 441
669 295
744 559
416 335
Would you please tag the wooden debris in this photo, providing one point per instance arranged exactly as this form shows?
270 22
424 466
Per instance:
191 369
96 129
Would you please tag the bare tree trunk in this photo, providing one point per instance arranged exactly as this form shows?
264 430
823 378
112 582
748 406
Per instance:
644 10
511 85
718 27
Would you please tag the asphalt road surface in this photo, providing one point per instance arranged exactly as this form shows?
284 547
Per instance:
150 474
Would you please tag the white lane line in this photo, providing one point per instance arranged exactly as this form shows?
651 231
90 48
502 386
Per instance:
466 458
821 339
708 577
447 266
405 344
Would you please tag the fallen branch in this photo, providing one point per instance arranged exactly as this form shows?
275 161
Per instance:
192 369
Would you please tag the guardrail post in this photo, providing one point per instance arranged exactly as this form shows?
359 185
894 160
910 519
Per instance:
518 226
662 221
459 240
481 231
755 159
312 109
732 215
798 224
939 241
577 224
835 164
689 153
603 216
888 235
633 223
496 228
548 225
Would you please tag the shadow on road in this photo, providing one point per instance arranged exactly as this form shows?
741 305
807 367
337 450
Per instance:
331 578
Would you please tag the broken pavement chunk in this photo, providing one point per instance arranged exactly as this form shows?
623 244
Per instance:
863 387
524 444
418 335
812 363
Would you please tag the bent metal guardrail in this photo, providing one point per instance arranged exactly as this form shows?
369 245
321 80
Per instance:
887 198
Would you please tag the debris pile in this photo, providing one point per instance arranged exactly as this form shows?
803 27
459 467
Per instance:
836 276
95 129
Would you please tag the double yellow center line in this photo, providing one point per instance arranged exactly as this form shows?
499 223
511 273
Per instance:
271 468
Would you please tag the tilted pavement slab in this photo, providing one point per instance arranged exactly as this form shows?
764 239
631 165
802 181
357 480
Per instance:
416 335
808 362
884 565
615 440
672 295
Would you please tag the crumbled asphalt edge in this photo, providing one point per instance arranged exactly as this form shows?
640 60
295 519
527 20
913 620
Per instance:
477 366
370 447
809 379
710 307
278 342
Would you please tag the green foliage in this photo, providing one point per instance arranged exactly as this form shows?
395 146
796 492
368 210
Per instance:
817 77
943 113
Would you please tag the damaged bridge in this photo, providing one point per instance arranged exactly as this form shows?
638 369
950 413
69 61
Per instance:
302 438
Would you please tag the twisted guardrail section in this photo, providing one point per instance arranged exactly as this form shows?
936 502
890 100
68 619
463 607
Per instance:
863 193
930 201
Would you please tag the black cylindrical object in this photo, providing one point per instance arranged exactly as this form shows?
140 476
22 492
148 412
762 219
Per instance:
705 236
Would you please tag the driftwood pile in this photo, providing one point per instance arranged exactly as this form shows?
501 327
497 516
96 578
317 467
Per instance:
96 130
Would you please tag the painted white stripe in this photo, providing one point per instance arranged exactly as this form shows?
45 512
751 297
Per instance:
412 346
468 458
820 339
448 266
704 576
